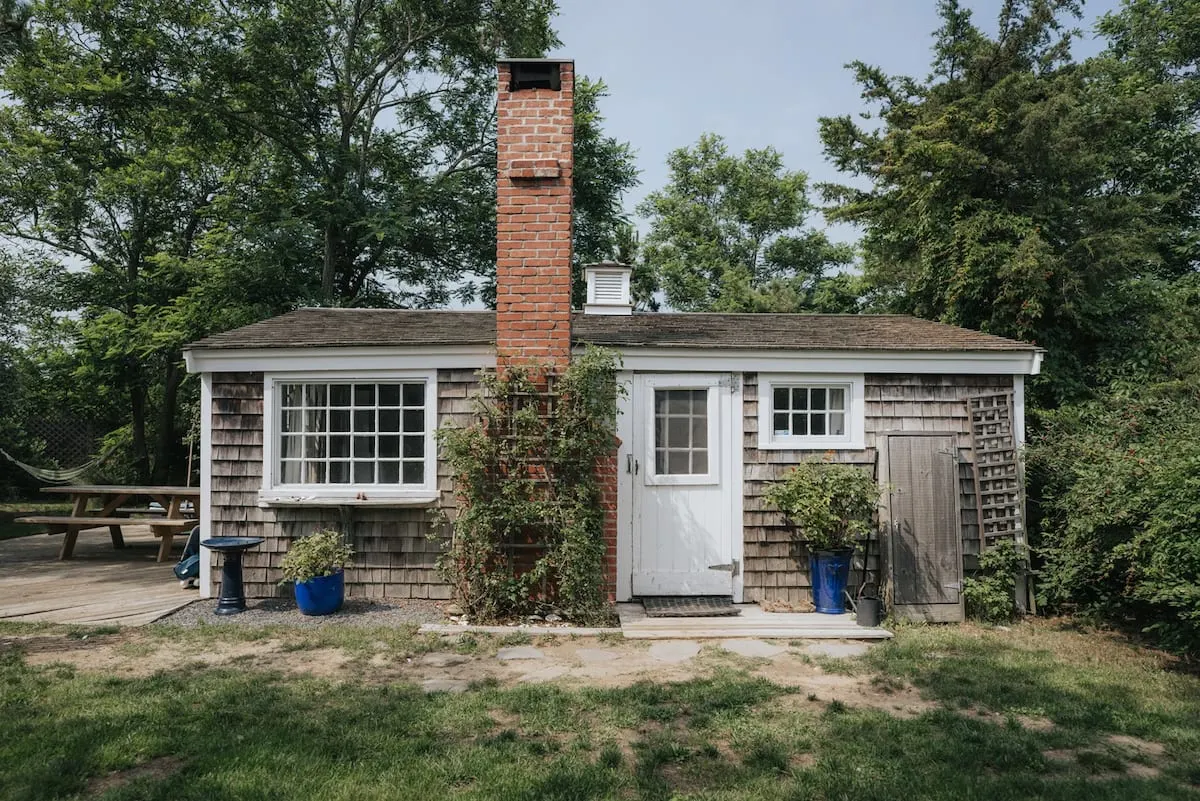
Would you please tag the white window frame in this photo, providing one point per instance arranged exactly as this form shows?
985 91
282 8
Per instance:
273 491
686 382
854 437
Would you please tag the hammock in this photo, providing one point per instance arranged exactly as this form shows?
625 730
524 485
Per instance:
69 476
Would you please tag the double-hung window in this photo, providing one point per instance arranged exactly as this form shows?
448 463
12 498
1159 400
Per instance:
811 412
350 437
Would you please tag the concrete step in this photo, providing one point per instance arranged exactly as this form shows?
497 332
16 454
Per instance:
752 622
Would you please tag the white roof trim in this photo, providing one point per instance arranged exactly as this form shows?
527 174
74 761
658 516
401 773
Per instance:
641 359
315 359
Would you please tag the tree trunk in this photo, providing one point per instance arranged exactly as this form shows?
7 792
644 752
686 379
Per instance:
165 441
137 409
330 267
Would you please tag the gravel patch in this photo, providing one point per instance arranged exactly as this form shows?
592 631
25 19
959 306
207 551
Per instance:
283 612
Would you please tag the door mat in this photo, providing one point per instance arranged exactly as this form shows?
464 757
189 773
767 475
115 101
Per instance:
694 606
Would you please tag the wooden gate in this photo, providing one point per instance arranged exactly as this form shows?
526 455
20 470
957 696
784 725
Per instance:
925 542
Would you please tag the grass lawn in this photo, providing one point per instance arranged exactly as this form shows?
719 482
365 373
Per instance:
8 511
1039 712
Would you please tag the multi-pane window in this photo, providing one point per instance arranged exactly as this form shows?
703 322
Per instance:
680 432
809 410
352 433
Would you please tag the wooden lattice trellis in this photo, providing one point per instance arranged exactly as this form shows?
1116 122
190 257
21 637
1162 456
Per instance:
999 482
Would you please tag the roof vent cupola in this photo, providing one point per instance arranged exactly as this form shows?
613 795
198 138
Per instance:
608 288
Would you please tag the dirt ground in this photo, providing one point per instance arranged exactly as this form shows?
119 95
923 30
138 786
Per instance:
569 661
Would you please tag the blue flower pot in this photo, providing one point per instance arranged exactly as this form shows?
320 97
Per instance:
322 595
830 571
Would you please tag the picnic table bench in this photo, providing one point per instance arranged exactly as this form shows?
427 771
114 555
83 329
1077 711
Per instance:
110 513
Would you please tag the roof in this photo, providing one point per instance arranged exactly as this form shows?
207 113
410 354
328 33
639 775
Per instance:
364 328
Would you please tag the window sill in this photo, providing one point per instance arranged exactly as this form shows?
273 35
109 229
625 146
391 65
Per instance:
810 445
280 498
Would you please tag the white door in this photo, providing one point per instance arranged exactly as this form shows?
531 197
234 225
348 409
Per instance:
683 505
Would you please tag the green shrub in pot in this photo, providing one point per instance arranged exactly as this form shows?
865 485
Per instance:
322 553
830 505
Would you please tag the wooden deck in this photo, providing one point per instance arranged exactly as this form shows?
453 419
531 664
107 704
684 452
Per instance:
99 586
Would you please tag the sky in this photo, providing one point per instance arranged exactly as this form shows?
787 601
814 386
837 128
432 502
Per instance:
757 72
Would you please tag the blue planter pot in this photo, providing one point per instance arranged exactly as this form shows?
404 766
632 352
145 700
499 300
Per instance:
322 595
830 571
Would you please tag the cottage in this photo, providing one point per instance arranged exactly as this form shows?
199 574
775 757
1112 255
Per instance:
326 417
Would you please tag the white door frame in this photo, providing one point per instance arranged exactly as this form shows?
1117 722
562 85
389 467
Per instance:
733 441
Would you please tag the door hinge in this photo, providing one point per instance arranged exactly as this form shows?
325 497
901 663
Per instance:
731 381
734 567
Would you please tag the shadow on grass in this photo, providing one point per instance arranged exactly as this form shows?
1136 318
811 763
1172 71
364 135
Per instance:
251 735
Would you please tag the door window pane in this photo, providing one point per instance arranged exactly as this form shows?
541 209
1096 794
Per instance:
681 432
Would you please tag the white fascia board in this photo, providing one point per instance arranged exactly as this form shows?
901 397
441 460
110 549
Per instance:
205 510
638 359
308 360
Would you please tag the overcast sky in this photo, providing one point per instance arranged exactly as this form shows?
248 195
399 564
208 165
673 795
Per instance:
758 72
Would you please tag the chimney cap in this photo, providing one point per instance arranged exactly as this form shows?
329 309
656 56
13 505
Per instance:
608 288
536 61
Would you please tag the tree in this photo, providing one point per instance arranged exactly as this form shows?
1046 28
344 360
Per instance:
604 171
1013 192
379 119
14 20
107 171
727 232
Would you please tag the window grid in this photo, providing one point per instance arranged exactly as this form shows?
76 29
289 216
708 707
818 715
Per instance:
680 432
352 433
809 410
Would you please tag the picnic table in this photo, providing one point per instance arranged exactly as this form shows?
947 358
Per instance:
109 511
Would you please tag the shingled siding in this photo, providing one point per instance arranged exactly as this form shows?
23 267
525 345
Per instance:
394 554
893 403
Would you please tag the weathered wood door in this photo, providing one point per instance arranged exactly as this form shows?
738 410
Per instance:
925 551
683 525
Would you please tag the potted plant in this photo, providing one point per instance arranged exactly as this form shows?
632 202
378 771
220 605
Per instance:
829 506
316 564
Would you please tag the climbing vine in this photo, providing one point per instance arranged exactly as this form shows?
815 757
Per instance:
528 532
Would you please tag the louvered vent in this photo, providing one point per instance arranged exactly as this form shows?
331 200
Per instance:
608 289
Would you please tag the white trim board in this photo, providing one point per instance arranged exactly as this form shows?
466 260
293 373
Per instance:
677 360
352 360
641 359
205 510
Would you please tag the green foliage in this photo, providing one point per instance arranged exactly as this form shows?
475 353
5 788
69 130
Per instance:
604 170
990 593
1121 505
1022 194
830 506
321 553
203 165
527 474
727 233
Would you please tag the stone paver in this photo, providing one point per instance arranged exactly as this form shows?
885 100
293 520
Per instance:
595 656
674 651
837 650
755 649
443 686
519 652
443 660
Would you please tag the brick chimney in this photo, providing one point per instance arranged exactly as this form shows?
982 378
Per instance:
535 165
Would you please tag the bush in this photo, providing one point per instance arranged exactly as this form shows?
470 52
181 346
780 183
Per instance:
322 553
990 594
830 505
1120 505
528 533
